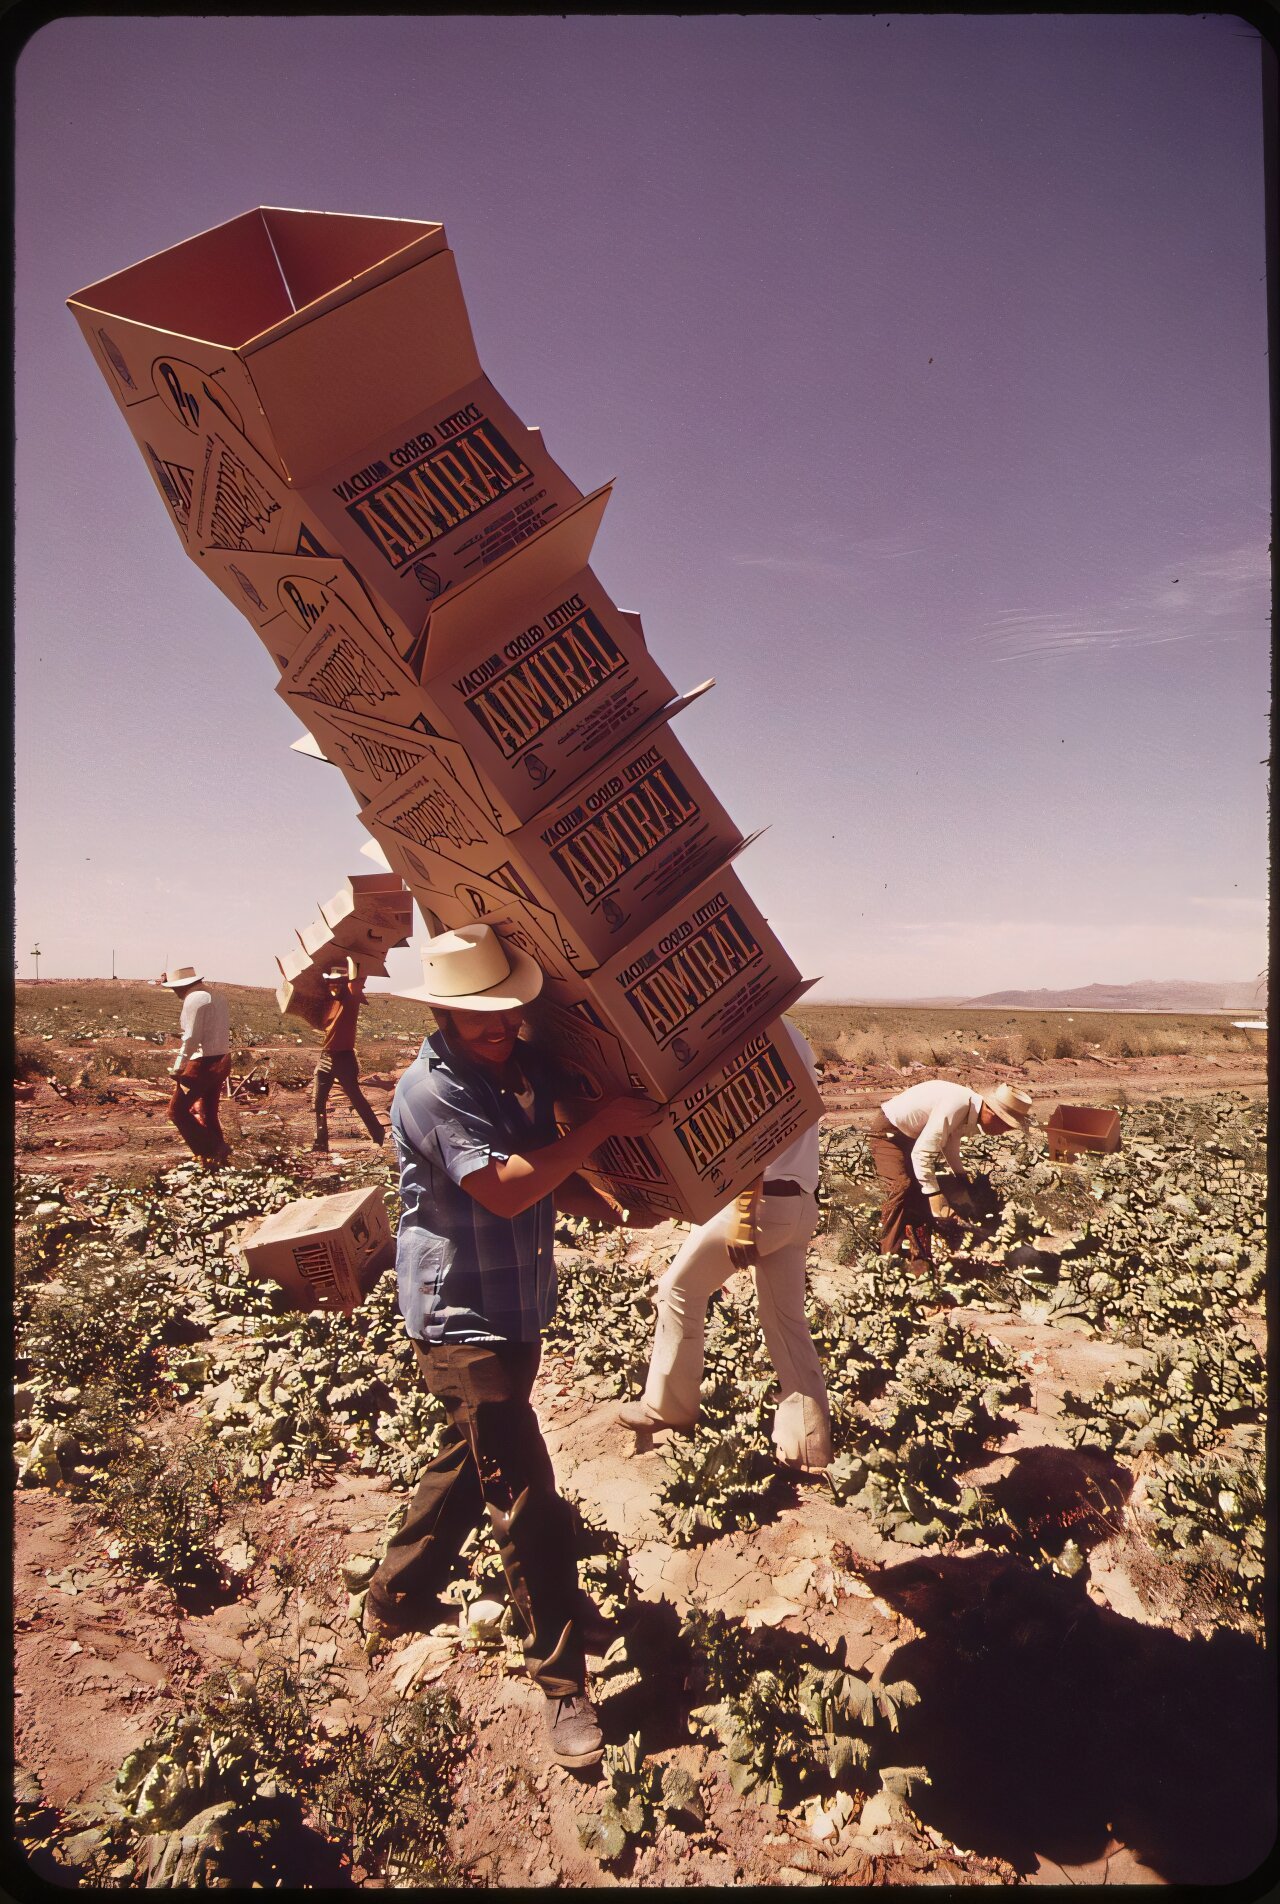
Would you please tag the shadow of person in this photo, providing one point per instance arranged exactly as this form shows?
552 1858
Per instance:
1052 1495
1049 1724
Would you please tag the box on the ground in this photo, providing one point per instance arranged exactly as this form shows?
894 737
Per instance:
1080 1127
326 1252
718 1133
609 860
322 370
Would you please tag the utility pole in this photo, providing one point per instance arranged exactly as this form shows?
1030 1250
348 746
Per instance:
35 953
113 961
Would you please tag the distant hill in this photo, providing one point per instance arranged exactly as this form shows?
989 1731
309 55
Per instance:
1147 994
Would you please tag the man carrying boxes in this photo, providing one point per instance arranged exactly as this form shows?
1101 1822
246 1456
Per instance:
482 1172
337 1061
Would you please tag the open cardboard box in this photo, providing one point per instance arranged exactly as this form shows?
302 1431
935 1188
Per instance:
326 1252
318 373
1080 1127
606 861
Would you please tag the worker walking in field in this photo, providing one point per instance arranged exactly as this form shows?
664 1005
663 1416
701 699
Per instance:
338 1062
779 1226
916 1134
202 1065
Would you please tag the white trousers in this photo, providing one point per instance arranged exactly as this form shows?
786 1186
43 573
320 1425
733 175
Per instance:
802 1421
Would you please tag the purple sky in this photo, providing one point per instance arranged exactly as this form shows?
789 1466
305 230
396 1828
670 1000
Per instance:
929 357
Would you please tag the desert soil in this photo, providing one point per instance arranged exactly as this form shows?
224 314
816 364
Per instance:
101 1657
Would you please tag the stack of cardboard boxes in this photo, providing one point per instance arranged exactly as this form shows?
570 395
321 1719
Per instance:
306 391
356 929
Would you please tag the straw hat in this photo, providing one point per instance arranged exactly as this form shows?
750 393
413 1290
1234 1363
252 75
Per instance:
180 976
472 970
1011 1106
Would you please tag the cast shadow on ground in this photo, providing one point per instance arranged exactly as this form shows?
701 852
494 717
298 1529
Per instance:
1050 1725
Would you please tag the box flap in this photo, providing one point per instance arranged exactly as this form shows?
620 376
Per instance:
358 370
475 614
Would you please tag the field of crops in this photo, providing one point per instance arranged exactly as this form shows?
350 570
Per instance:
115 1009
1015 1631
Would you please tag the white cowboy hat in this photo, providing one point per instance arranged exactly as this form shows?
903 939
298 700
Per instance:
181 975
472 970
1011 1106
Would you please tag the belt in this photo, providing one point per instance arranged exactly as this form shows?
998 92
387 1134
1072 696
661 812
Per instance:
782 1187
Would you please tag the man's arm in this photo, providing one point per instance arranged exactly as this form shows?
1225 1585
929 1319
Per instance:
577 1197
509 1187
187 1026
930 1151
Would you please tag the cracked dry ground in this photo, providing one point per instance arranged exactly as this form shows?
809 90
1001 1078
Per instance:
1021 1677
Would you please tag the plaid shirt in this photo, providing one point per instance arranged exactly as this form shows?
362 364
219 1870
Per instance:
465 1275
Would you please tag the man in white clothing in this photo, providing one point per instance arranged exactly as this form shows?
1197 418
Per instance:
785 1217
917 1134
202 1064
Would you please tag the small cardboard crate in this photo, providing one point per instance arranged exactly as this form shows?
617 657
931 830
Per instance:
326 1252
718 1134
317 376
1078 1127
607 861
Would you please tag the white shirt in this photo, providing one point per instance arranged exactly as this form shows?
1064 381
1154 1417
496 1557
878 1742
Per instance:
937 1114
799 1161
205 1027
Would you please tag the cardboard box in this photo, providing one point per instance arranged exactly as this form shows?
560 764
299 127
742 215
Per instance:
718 1134
680 993
302 995
370 920
537 673
1077 1127
607 861
531 701
333 354
372 755
326 1252
285 597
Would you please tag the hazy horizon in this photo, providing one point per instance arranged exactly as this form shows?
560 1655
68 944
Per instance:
929 355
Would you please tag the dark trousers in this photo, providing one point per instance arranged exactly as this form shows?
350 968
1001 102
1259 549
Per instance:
194 1104
340 1067
494 1461
906 1222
